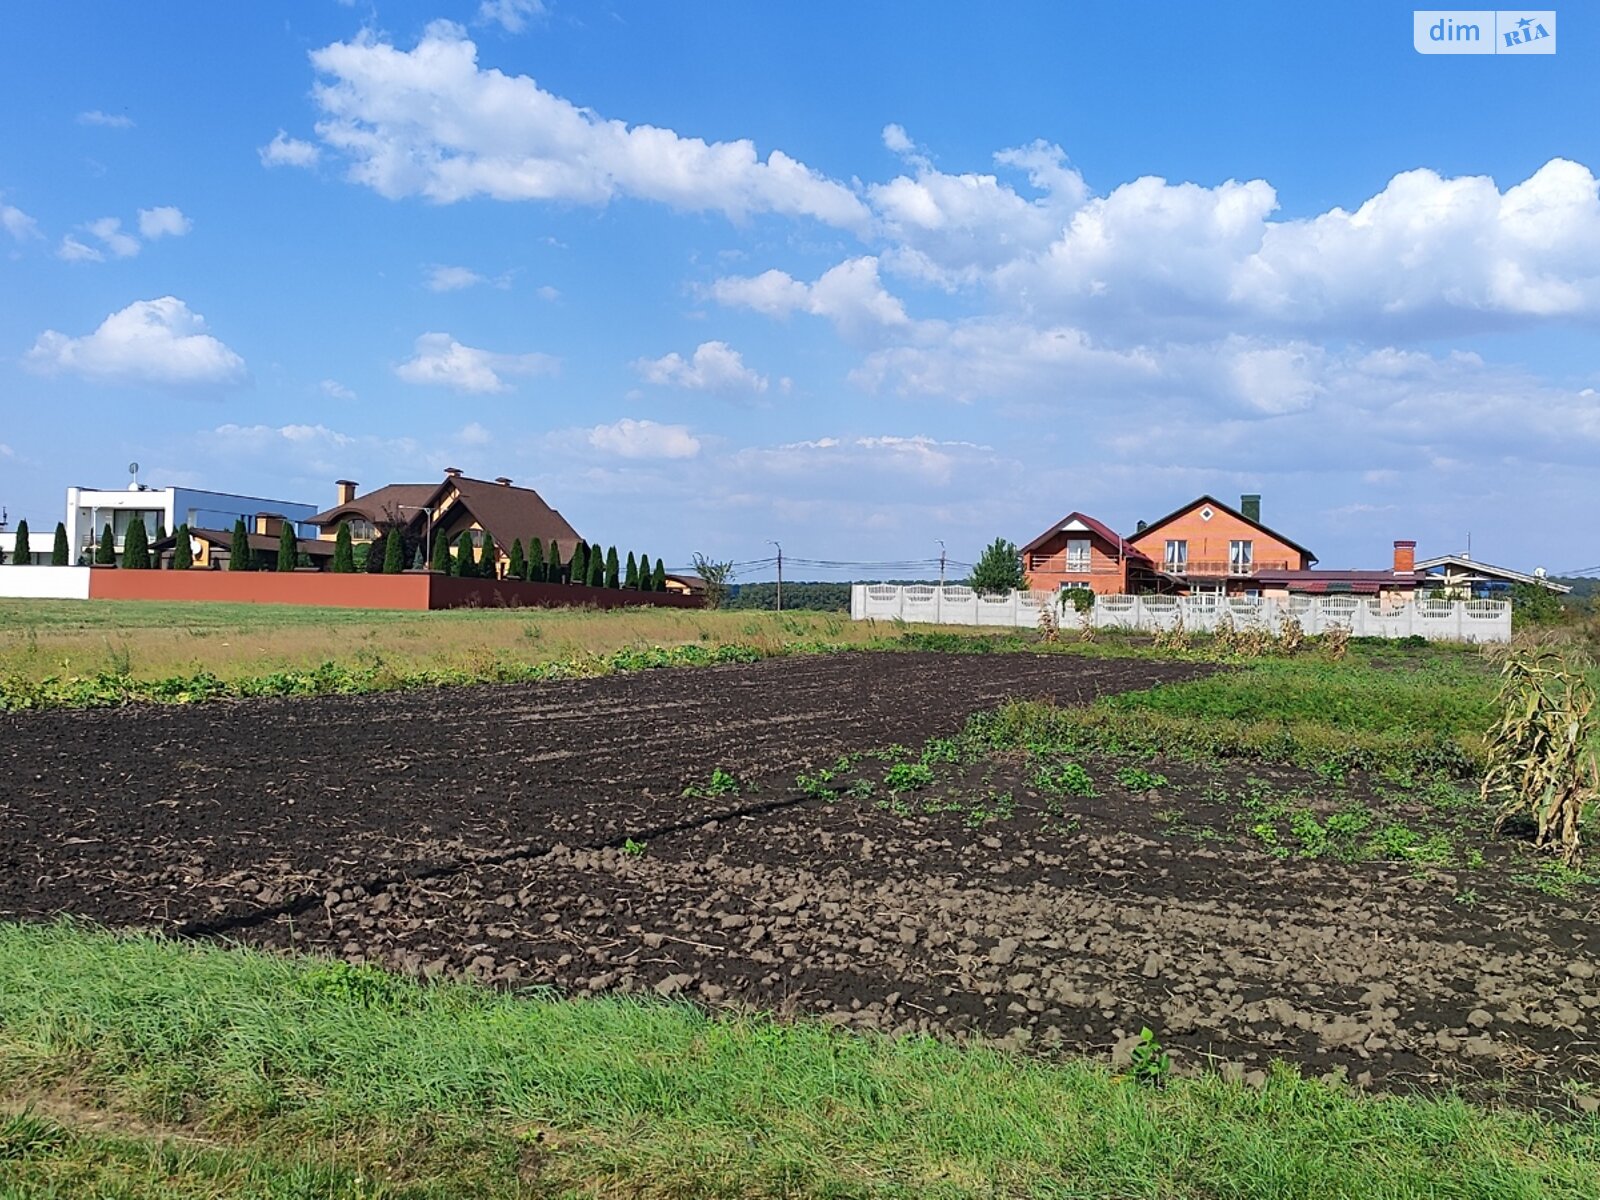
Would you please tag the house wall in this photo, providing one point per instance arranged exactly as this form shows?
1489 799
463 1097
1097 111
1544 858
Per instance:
1208 541
1045 569
451 592
44 583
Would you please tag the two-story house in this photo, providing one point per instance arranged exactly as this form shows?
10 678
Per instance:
1208 548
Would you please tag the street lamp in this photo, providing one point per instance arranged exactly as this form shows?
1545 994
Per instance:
770 542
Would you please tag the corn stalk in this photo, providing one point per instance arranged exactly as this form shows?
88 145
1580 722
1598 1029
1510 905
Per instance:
1540 764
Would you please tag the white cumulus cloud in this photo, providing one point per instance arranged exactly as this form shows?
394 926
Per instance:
851 295
335 390
18 224
442 361
431 122
166 221
109 120
110 233
285 151
511 15
714 367
629 438
453 279
158 342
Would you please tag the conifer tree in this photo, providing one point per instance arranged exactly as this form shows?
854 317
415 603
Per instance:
552 567
597 567
613 570
440 561
659 582
22 553
516 566
136 548
288 547
60 553
239 548
105 554
182 551
489 563
579 566
394 553
377 549
535 561
344 551
630 577
645 577
466 564
161 531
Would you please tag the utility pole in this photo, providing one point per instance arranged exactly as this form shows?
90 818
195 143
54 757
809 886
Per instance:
941 560
770 542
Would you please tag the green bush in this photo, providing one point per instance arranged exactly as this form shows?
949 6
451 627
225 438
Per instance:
466 561
22 552
579 567
658 582
998 569
630 578
344 555
288 548
613 570
597 567
182 551
136 548
440 561
489 558
394 553
239 558
60 553
646 578
552 569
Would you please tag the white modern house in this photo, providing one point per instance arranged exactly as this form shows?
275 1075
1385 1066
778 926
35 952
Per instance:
90 510
1461 574
38 547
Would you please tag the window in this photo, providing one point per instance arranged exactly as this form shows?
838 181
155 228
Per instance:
1177 556
1240 557
477 539
360 530
1077 556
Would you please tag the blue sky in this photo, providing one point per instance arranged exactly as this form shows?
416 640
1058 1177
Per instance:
852 277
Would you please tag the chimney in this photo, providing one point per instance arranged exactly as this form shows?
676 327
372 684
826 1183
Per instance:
346 489
1405 558
502 481
1250 506
453 472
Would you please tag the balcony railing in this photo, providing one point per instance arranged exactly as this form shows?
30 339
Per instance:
1218 568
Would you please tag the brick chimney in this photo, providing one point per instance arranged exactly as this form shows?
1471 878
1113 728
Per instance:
502 481
346 489
453 472
1250 507
1405 558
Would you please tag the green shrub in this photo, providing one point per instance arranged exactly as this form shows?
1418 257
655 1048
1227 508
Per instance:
344 555
553 568
288 548
998 569
630 578
105 554
61 552
536 568
613 570
597 567
517 565
466 561
394 552
578 568
136 548
239 557
440 560
658 581
182 551
646 579
21 552
489 558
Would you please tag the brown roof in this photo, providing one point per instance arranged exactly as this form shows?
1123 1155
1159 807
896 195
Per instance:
381 507
1099 527
1338 581
1232 512
510 513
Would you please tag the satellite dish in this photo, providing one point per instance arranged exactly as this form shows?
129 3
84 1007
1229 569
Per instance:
133 468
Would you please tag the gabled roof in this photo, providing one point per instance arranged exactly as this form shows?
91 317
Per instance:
1488 571
267 542
1077 522
381 507
1339 581
509 513
1232 512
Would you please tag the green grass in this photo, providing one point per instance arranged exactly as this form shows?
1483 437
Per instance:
204 1072
1416 719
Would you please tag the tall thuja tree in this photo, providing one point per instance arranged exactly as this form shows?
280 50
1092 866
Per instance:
517 566
344 551
658 581
239 548
489 564
630 578
613 571
61 552
22 553
552 566
161 531
645 578
105 554
440 561
136 548
580 562
597 567
466 564
288 548
535 561
182 551
394 553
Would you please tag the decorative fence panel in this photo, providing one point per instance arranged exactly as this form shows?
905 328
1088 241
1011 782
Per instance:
1436 620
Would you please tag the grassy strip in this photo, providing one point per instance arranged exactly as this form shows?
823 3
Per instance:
1331 717
653 1099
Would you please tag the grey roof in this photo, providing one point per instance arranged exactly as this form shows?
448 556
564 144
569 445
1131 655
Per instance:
1488 571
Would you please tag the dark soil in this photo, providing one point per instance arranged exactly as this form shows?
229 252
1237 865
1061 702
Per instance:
481 832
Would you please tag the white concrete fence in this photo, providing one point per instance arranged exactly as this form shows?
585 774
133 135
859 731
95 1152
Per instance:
45 583
1363 616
